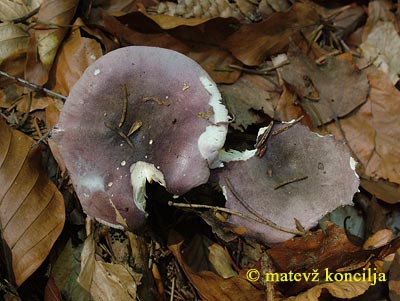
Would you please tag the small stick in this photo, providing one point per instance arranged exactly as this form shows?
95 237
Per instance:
27 16
251 210
33 87
158 100
135 126
25 118
281 130
261 71
292 180
319 60
264 136
171 298
124 106
119 132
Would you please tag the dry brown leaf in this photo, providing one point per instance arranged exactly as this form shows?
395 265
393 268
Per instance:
379 239
382 48
211 58
342 290
13 40
169 22
249 93
372 135
74 57
31 208
53 20
11 10
105 281
252 43
326 91
212 287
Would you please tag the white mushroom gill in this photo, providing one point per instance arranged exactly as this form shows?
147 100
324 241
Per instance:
213 138
140 173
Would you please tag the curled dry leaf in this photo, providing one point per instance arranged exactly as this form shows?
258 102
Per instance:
31 207
379 239
212 287
326 91
252 43
105 281
319 167
13 40
371 133
53 20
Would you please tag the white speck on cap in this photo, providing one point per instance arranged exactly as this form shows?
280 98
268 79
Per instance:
123 163
96 72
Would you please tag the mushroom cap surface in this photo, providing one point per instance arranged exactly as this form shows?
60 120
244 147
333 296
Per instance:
178 105
319 176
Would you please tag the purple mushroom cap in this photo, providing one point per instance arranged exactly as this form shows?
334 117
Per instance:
320 167
184 125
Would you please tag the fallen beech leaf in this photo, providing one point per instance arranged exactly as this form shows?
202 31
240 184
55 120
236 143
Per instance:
252 43
105 281
381 47
211 58
11 10
65 272
212 287
370 133
31 207
379 239
169 22
52 24
326 91
13 40
323 180
342 290
249 93
329 248
394 278
74 57
51 291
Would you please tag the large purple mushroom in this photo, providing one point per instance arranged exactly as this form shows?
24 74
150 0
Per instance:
180 124
302 176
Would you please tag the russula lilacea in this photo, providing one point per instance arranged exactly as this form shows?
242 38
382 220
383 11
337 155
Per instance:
301 176
179 125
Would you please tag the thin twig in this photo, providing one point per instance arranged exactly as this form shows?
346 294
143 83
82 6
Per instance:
172 290
33 86
261 71
119 132
25 118
124 106
283 129
26 17
292 180
251 210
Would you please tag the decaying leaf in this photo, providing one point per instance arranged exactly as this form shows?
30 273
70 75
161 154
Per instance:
382 47
12 10
328 91
211 286
301 176
105 281
372 134
13 40
211 58
342 290
31 207
252 43
53 20
247 94
379 239
74 57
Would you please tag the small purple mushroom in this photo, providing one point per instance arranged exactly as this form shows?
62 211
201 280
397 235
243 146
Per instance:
302 176
180 120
